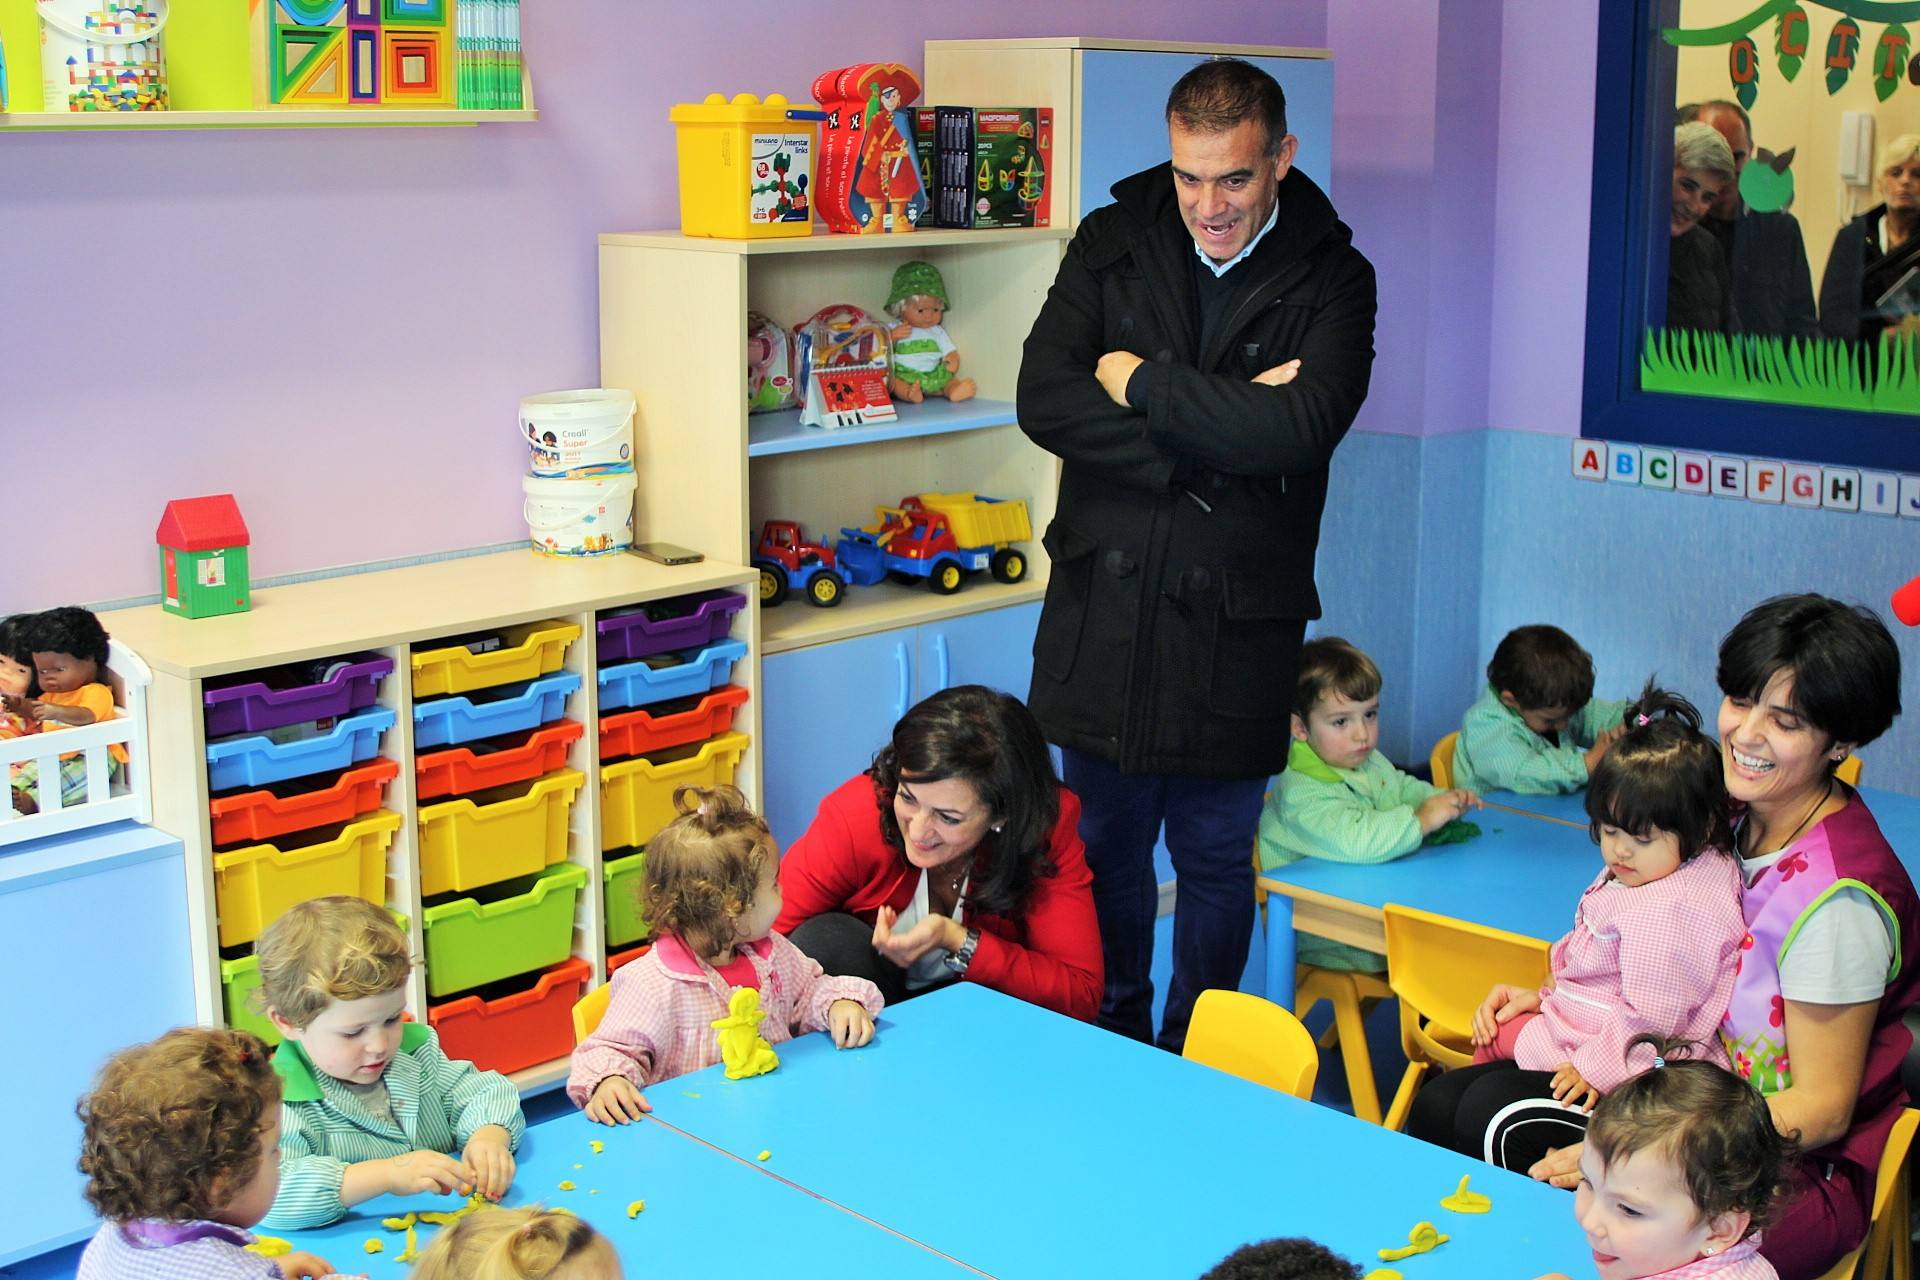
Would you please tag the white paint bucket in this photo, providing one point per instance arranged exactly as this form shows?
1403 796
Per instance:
102 55
582 516
579 433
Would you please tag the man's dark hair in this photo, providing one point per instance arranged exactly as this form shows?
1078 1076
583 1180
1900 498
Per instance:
1288 1258
1223 93
1691 112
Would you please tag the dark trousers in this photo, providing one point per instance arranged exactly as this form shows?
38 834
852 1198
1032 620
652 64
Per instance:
1823 1214
1496 1112
1210 824
842 945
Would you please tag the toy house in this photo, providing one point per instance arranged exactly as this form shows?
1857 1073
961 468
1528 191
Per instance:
203 557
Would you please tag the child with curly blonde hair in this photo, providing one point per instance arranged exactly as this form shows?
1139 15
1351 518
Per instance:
529 1243
181 1149
372 1104
712 894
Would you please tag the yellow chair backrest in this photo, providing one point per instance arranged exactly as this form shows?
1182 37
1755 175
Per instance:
1441 761
1254 1039
1442 968
1848 771
589 1009
1886 1251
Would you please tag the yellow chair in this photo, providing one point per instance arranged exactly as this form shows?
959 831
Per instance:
1886 1252
1254 1039
1441 969
1441 761
1848 771
1351 995
589 1009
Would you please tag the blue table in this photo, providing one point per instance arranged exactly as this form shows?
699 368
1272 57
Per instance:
1524 873
706 1213
1570 807
1028 1144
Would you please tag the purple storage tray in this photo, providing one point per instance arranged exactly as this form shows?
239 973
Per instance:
630 633
255 707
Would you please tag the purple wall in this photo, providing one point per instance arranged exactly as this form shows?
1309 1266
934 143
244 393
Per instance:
337 325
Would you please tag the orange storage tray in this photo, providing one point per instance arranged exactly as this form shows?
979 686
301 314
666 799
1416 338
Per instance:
517 1030
630 733
254 816
619 960
458 770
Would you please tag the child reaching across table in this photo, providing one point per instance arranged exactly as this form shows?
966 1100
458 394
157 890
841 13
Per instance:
1682 1168
1537 728
181 1151
372 1104
1652 952
712 894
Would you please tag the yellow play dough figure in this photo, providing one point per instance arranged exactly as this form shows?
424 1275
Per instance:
270 1246
742 1047
1465 1201
635 1209
1421 1239
1383 1273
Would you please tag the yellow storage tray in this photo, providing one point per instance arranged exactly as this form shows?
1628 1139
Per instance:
254 885
527 652
636 796
496 834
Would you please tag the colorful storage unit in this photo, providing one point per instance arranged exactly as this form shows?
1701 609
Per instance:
254 884
685 622
519 1027
494 762
239 981
253 816
662 677
626 913
636 796
670 724
258 760
513 708
523 653
518 927
259 701
496 834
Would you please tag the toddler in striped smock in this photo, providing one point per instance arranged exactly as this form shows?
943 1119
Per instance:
180 1149
371 1104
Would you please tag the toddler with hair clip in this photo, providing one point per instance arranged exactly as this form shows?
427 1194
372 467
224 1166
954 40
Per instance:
528 1243
1653 951
1682 1168
712 894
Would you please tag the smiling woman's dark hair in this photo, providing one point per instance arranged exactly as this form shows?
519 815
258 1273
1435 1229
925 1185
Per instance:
1846 667
989 740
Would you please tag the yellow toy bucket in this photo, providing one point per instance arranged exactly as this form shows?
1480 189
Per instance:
746 166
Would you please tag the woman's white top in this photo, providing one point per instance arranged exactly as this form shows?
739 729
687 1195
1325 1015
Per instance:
930 969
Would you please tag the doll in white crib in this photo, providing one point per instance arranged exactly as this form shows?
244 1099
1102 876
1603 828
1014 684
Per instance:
68 647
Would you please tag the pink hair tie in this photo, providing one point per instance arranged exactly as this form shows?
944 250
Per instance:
1642 720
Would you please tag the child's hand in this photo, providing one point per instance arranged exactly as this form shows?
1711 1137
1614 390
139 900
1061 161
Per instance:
616 1101
1605 739
303 1264
491 1160
849 1023
1571 1088
419 1172
1437 810
1503 1004
1469 799
1280 375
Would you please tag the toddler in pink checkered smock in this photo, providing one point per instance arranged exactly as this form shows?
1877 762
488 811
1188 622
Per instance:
1656 936
712 894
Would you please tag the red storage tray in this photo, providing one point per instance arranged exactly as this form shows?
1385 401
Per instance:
517 1030
518 758
632 733
619 960
255 816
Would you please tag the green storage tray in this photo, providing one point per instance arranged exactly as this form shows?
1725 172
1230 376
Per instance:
626 921
239 979
527 925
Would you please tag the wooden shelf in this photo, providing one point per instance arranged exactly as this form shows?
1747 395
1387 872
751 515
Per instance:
887 606
359 118
783 432
823 241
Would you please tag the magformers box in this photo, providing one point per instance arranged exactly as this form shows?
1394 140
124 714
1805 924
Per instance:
987 166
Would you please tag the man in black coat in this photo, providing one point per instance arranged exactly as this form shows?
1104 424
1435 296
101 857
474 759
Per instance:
1205 346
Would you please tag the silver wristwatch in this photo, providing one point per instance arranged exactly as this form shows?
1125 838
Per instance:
957 961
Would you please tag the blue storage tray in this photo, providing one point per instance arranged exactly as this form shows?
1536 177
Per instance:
256 760
636 684
445 722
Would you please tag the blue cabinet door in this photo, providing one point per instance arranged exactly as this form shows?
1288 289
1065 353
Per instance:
1123 103
994 648
824 711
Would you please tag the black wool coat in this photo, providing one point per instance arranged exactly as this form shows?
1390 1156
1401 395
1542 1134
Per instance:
1184 539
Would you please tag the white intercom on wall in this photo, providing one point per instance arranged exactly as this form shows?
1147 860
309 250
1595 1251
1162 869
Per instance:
1856 148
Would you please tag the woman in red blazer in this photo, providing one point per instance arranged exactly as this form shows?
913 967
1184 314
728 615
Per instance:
957 856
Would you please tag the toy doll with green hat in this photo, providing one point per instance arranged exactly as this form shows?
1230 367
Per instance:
924 357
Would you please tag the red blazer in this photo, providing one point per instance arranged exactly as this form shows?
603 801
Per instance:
1046 954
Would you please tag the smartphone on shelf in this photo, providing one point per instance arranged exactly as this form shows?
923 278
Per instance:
665 553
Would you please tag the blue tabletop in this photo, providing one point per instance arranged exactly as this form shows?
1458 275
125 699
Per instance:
1028 1144
1570 807
705 1214
1520 874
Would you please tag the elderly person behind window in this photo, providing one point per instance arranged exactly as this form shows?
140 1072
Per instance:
1872 252
1699 286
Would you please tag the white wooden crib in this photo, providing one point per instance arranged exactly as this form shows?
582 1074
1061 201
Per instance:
130 797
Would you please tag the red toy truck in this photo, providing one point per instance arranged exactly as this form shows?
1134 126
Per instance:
787 561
